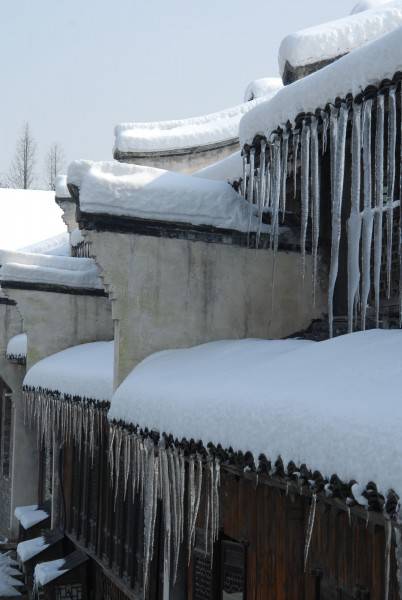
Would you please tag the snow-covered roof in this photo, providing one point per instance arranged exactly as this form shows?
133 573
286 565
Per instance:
17 346
180 134
30 515
228 169
48 571
8 577
27 217
147 193
61 187
321 404
85 370
351 74
265 86
30 548
336 38
368 4
58 245
51 270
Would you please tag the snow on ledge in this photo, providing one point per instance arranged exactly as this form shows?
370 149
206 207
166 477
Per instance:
57 245
85 370
30 548
228 169
30 515
47 269
180 134
351 74
148 193
17 346
321 404
339 37
61 187
48 571
367 5
266 86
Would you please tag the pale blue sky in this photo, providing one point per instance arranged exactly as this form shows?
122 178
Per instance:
75 68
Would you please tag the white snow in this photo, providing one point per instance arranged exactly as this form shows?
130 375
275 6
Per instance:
57 270
17 346
335 38
57 245
77 170
367 5
20 510
48 571
61 187
262 87
76 237
27 217
26 550
148 193
368 65
222 126
334 405
30 515
85 370
228 169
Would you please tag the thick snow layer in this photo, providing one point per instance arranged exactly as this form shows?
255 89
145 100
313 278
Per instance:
148 193
26 550
334 405
77 170
266 86
336 38
20 510
56 270
61 187
17 346
369 65
58 245
368 4
85 370
228 169
27 217
29 516
48 571
208 129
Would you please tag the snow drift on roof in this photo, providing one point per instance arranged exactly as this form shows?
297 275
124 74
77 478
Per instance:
367 5
85 370
228 169
61 187
179 134
265 86
336 38
17 346
369 65
322 404
59 245
44 269
148 193
27 217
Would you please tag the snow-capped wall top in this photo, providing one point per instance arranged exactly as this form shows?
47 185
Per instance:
148 193
369 65
161 136
228 169
61 187
54 270
17 346
262 87
46 572
85 370
336 38
58 245
367 5
27 217
239 394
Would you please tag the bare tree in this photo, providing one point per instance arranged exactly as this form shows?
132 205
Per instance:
21 174
54 164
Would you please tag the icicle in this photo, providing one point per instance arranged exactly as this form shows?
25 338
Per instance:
390 181
379 195
398 555
296 139
310 527
339 121
166 501
284 172
261 190
126 461
276 191
316 200
178 508
243 185
250 191
388 539
150 506
324 135
367 225
305 191
190 504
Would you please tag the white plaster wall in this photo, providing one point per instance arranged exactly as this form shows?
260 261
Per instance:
169 293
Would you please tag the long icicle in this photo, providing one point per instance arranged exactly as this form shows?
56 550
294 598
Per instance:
305 191
261 191
284 173
354 222
339 121
250 191
315 200
390 181
310 527
379 196
296 140
367 225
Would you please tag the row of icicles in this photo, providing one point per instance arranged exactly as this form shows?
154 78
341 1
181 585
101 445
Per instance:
266 185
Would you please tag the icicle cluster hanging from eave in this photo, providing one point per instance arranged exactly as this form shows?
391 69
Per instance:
157 470
373 197
69 418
